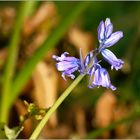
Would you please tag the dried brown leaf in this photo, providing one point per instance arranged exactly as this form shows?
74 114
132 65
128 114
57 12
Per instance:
80 118
104 111
36 43
121 129
7 19
45 11
45 87
81 39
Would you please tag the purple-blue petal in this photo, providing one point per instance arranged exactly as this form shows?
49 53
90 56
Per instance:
61 58
91 71
101 31
108 28
82 67
93 67
69 73
71 59
64 65
101 78
112 59
114 38
88 59
67 65
107 22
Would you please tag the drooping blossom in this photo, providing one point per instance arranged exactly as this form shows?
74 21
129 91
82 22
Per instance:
101 78
67 65
112 59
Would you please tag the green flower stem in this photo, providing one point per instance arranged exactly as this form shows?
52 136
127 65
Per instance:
11 60
42 123
50 43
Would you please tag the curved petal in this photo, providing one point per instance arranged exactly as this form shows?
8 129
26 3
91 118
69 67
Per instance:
108 28
101 31
91 71
114 38
113 87
106 80
88 59
112 59
69 73
71 59
97 78
107 22
61 58
65 65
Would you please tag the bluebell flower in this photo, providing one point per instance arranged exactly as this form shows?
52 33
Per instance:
90 65
112 59
100 78
105 36
106 39
67 65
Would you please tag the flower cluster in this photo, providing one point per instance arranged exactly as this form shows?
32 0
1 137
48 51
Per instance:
90 65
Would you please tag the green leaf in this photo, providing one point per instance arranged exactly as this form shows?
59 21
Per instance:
12 133
8 133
